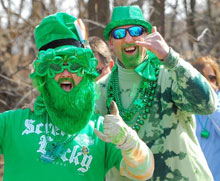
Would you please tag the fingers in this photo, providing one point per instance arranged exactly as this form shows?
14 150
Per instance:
114 108
146 41
154 29
101 136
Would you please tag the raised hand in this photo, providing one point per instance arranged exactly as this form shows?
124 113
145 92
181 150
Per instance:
155 43
115 129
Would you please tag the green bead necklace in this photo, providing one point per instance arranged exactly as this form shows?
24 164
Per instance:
140 106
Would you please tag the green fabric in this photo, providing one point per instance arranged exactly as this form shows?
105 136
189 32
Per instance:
126 15
169 129
55 27
145 69
23 140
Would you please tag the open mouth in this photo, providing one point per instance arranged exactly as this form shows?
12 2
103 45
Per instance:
130 50
66 85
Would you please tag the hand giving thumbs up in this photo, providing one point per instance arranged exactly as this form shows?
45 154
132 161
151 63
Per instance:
115 130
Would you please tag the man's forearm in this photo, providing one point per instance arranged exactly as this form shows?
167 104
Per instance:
138 160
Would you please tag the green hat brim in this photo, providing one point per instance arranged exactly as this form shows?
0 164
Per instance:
124 22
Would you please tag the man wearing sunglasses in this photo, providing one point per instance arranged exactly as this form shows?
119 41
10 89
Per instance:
63 138
102 54
157 93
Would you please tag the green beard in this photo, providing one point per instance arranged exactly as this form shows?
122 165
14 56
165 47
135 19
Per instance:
131 61
69 111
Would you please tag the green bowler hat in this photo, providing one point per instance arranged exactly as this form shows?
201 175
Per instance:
126 15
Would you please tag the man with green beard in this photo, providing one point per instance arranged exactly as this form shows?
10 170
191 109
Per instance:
63 139
157 93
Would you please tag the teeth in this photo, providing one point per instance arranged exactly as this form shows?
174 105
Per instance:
66 83
130 49
67 86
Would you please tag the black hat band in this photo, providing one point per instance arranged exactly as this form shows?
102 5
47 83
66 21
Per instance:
62 42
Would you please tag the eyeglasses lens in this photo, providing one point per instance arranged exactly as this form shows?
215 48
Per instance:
134 31
119 33
212 77
99 70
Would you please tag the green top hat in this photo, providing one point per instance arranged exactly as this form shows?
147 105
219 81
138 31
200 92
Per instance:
126 15
56 30
56 38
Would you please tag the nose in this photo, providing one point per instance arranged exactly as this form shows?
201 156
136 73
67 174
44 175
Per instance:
66 74
128 38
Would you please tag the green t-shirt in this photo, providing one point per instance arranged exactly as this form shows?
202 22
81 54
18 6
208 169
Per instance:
24 137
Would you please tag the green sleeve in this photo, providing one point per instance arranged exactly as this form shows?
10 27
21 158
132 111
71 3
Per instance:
190 91
9 121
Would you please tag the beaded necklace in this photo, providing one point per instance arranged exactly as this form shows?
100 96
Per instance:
140 106
204 133
56 148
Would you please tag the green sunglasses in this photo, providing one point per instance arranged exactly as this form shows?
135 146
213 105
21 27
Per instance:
50 63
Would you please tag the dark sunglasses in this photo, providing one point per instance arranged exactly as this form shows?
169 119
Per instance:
133 31
212 77
99 70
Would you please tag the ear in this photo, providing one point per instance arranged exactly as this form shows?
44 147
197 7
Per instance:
111 64
110 43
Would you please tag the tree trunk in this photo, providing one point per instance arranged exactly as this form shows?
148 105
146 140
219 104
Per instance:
98 11
157 18
190 20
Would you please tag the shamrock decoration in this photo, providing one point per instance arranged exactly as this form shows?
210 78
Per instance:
52 62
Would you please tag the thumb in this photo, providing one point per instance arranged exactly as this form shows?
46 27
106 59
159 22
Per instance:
154 29
114 108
